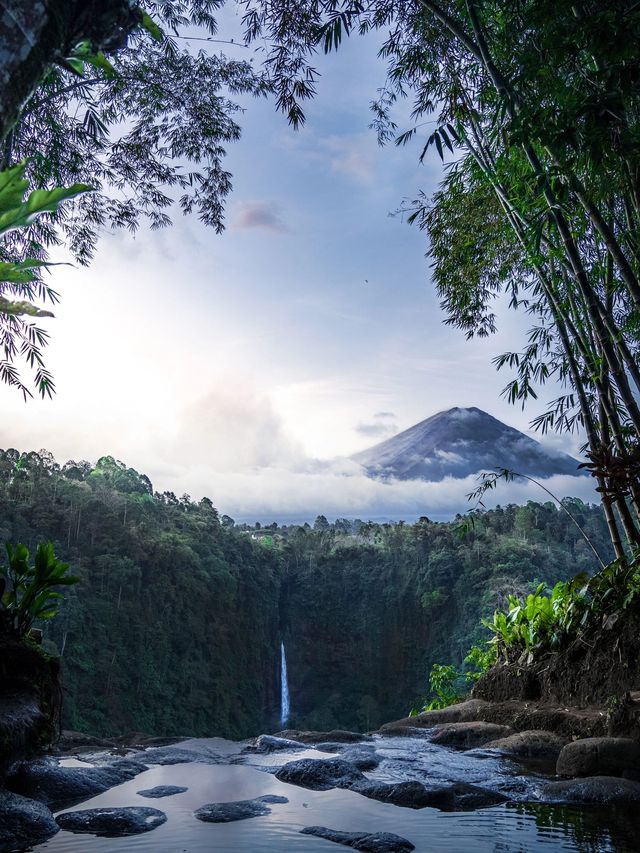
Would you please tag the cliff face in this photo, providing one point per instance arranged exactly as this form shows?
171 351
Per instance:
30 697
600 668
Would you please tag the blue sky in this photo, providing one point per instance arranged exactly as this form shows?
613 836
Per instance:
229 365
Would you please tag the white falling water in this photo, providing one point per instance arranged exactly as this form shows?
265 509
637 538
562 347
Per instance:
284 688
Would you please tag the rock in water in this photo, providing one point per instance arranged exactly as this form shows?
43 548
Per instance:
533 743
469 735
112 822
23 822
320 774
60 787
271 743
599 756
597 790
162 791
376 842
238 810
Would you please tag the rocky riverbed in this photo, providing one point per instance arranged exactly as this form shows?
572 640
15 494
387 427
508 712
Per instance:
471 777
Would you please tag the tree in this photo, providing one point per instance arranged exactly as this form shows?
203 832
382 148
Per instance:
34 36
112 95
538 109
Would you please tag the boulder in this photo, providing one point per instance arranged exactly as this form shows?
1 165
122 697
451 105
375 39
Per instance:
377 842
320 774
596 790
363 757
162 791
238 810
469 711
271 743
169 755
410 794
23 822
335 735
112 822
60 787
468 735
415 795
535 744
599 756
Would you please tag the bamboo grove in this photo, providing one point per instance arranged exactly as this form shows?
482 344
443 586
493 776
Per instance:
534 105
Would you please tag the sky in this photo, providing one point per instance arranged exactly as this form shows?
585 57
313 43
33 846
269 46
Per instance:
248 366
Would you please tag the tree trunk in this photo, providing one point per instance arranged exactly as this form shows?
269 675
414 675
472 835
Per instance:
34 34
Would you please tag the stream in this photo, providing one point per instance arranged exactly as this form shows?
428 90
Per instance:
220 771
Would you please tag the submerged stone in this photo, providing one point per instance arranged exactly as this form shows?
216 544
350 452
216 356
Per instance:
112 822
375 842
23 822
238 810
162 791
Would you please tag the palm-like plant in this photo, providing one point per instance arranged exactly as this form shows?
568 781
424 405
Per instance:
27 592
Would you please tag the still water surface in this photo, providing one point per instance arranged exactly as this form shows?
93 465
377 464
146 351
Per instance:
517 827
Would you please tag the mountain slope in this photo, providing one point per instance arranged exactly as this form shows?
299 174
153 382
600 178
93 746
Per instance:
460 442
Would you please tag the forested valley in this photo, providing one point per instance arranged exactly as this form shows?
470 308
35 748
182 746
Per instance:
176 624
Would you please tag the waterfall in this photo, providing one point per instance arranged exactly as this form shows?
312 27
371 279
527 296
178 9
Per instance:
284 688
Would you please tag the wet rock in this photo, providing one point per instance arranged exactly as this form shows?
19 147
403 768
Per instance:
169 755
335 735
472 797
597 790
23 822
469 735
469 711
415 795
400 729
536 744
377 842
162 791
519 715
112 822
320 774
71 741
410 794
59 787
599 756
238 810
271 743
362 757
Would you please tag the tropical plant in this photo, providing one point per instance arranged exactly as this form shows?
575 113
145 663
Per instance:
28 592
21 279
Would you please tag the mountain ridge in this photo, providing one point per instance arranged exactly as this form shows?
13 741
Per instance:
459 442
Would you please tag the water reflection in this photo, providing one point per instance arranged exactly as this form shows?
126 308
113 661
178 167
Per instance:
592 829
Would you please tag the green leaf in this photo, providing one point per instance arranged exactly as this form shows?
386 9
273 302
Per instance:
151 27
100 61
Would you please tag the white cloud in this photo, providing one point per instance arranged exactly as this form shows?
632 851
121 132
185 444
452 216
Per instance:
280 494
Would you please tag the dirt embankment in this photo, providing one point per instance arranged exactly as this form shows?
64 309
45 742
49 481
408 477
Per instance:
30 699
